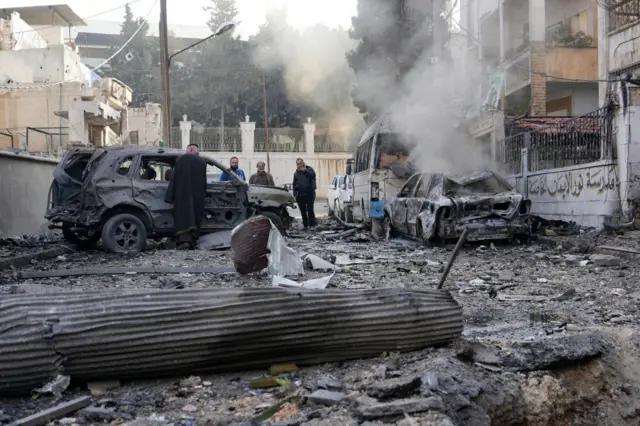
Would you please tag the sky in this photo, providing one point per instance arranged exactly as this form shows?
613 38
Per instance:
302 13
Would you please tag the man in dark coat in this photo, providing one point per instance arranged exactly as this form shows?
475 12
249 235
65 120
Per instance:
187 191
304 189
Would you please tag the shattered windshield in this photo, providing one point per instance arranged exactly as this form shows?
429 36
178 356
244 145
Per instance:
487 184
390 149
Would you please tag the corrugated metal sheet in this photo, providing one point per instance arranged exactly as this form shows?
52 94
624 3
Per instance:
116 335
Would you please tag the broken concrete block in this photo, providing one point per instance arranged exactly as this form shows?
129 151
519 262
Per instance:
396 409
325 397
329 384
278 369
190 408
604 260
394 388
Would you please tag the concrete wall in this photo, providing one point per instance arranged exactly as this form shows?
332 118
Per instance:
147 121
585 194
24 186
50 65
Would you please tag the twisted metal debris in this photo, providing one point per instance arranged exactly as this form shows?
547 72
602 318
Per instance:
111 335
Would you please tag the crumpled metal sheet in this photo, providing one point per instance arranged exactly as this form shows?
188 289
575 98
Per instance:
249 245
132 334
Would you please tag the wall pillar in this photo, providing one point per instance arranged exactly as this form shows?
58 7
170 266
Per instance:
538 61
309 136
78 129
603 53
248 131
185 132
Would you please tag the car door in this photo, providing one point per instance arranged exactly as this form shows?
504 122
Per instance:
226 203
417 203
399 206
331 193
149 189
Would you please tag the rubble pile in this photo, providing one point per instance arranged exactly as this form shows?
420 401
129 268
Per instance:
550 337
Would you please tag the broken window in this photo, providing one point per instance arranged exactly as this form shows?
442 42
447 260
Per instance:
424 186
407 189
156 168
75 166
125 166
363 154
389 149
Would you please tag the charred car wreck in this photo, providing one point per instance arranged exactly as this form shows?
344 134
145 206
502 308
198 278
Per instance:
117 194
433 206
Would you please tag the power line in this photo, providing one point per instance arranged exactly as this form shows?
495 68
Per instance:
81 19
142 24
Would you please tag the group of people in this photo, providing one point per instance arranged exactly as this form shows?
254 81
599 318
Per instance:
188 188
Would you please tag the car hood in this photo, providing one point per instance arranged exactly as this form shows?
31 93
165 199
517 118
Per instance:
504 204
269 196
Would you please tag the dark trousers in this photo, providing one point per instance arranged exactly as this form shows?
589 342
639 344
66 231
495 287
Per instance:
305 204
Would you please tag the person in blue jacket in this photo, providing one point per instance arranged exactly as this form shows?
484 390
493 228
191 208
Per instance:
225 177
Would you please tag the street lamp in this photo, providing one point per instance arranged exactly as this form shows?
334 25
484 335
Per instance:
165 63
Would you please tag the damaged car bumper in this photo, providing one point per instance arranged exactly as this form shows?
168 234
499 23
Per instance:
491 228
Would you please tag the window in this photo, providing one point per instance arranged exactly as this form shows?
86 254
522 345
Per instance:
340 181
156 168
407 189
333 183
363 153
75 166
423 186
125 166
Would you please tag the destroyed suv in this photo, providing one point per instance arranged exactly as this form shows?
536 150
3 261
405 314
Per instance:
434 206
117 194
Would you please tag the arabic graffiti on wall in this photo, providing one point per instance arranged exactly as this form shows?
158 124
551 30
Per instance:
573 183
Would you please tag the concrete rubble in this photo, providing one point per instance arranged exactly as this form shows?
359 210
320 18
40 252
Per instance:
550 337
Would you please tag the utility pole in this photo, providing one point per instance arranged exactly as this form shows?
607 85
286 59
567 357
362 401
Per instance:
266 121
164 74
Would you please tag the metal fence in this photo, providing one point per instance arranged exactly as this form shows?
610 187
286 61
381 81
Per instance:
569 142
623 13
220 139
332 141
280 140
46 140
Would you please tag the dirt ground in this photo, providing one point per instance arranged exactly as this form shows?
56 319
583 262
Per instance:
551 338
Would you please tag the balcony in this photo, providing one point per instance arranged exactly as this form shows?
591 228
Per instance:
572 63
623 14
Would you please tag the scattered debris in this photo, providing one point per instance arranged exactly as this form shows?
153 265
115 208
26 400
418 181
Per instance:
122 271
60 410
342 234
325 397
55 387
395 410
604 260
567 295
278 369
316 263
102 388
215 240
26 259
317 283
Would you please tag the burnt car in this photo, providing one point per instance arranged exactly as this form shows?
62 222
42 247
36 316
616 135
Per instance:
117 194
433 206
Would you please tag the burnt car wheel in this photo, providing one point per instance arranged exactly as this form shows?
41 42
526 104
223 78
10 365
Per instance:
124 233
277 222
73 238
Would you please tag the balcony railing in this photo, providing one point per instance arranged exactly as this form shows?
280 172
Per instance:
623 13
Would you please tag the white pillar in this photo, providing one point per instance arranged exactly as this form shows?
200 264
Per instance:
501 26
185 132
78 129
309 132
248 131
603 54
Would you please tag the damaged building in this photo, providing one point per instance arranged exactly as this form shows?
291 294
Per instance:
48 97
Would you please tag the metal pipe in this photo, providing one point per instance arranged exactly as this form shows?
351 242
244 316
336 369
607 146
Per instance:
456 250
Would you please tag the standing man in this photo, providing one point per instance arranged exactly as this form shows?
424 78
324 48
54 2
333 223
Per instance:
224 177
261 177
304 189
187 191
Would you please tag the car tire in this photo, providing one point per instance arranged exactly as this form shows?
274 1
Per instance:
277 222
74 239
124 233
388 228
